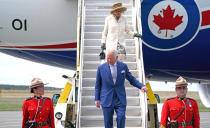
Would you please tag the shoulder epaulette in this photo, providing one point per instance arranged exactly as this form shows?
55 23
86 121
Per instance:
47 98
191 99
171 98
29 98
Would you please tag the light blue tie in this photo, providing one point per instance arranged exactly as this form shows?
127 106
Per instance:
114 73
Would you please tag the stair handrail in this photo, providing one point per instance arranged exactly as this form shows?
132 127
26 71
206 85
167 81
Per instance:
139 59
81 14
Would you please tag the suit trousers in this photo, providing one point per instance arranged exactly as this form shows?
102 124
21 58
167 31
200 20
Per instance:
108 113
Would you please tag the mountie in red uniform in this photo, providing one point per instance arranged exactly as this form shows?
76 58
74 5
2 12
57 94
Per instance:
45 118
188 119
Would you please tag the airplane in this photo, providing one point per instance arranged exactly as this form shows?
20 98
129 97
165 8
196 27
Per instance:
174 33
180 46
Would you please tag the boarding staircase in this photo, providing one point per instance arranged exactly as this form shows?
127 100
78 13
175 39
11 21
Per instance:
93 16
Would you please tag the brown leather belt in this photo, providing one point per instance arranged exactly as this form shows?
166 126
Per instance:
40 124
184 124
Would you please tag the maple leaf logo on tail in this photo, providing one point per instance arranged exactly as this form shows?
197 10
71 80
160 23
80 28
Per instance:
168 21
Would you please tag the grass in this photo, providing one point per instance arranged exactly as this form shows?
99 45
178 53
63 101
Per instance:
12 100
11 104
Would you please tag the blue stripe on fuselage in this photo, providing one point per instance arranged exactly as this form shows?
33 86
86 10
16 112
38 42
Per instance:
63 59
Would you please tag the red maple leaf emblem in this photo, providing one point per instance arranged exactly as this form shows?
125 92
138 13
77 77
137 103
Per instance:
168 21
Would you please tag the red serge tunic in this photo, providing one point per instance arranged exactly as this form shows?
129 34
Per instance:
46 114
173 106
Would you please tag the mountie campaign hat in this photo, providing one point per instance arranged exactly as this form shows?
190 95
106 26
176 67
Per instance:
181 82
118 7
36 82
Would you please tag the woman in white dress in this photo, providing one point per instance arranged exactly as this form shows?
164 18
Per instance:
114 29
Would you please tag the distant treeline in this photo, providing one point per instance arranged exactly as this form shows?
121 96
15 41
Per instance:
21 87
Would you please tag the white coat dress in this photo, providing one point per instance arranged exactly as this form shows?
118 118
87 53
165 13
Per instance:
114 32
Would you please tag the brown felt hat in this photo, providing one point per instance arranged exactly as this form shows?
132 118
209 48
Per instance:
36 82
118 7
180 82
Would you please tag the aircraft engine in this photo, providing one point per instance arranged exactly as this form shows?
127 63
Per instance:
204 92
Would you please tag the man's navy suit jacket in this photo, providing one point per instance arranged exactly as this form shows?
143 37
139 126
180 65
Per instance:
105 87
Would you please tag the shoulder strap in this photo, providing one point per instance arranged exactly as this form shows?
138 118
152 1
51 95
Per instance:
29 98
191 99
171 98
39 109
182 110
47 98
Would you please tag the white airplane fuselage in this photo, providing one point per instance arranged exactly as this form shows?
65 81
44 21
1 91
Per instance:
40 31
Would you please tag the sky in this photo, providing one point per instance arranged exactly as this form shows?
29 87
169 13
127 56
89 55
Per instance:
16 71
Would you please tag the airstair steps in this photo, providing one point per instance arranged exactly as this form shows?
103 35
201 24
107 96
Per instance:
99 23
95 57
101 18
130 91
96 35
94 64
89 82
97 49
106 4
108 1
96 28
92 111
103 12
86 121
97 42
102 6
87 73
90 116
89 101
114 127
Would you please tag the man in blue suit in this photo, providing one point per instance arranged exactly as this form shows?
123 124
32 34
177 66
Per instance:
110 90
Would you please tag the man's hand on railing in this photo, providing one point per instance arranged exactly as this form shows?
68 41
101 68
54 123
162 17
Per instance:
97 103
138 35
144 89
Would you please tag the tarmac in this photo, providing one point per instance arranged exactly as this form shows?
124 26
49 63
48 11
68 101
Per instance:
13 119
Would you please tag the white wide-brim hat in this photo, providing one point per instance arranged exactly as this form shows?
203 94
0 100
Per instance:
117 7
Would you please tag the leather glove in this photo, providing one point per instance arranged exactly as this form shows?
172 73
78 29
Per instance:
138 35
103 46
102 55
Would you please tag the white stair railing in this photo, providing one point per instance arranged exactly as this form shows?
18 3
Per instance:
140 61
81 14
